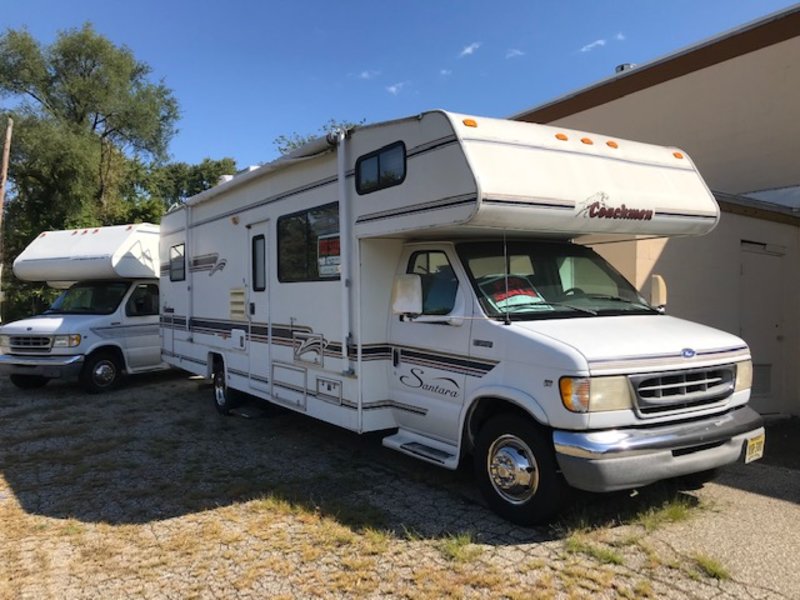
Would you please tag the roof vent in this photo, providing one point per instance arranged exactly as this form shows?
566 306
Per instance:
624 67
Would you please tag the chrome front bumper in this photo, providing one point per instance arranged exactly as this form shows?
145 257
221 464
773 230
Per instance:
45 366
617 459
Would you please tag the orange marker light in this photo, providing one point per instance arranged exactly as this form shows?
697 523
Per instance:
587 141
470 122
562 137
677 155
612 144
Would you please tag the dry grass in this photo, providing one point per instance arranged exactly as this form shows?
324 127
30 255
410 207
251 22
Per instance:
146 493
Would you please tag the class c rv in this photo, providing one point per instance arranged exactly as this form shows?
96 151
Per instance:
425 277
105 322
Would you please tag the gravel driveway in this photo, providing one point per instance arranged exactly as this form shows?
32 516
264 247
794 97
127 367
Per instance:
147 492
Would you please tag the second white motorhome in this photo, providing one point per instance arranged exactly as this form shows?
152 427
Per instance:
104 323
421 276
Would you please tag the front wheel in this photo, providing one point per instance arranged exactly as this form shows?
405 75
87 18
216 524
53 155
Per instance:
101 372
225 399
28 382
516 470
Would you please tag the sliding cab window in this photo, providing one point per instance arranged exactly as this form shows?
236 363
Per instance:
381 169
259 263
177 263
439 283
308 245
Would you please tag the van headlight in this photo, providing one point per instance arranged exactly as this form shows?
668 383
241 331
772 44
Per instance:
67 341
744 376
594 394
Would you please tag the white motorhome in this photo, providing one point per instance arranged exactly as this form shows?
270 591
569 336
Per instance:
104 323
421 276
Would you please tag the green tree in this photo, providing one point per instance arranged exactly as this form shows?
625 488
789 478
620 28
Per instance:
175 182
87 117
286 143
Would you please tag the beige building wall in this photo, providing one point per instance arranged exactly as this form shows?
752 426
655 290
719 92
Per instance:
740 278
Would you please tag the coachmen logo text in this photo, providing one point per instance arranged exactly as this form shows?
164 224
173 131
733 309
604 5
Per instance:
596 207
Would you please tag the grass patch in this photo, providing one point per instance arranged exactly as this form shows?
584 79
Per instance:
459 548
711 567
673 510
578 544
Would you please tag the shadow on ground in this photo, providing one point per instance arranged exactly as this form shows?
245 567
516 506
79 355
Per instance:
156 449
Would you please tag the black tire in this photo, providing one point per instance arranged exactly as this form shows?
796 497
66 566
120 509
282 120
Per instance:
516 470
225 399
28 382
101 372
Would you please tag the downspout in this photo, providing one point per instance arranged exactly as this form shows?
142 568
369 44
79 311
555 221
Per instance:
189 274
340 137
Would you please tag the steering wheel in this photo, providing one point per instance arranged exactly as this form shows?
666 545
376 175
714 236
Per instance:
574 291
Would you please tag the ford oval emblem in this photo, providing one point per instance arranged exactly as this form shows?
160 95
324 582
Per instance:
688 353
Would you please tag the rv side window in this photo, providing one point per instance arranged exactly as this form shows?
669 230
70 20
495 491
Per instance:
177 263
259 263
381 169
308 245
439 283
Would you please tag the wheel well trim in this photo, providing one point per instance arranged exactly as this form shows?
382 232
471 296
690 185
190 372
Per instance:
108 346
518 398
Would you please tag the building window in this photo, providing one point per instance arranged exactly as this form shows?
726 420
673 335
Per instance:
259 263
381 169
177 263
439 283
308 245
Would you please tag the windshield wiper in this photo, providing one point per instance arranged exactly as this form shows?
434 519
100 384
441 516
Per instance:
620 299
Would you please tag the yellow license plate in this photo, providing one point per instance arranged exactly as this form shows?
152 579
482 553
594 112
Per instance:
755 449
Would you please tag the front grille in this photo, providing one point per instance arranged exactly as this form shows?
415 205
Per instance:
30 343
676 391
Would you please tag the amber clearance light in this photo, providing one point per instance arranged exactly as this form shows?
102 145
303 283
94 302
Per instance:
470 122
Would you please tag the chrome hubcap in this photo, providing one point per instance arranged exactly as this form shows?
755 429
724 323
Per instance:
104 373
512 469
219 389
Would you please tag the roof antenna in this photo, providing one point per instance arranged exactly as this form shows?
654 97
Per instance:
506 268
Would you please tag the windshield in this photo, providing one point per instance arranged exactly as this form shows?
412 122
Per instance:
90 298
547 280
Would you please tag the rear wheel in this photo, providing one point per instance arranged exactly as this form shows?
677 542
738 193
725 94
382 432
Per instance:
28 382
516 470
101 372
225 399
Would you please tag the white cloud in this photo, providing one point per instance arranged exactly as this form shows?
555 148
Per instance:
513 53
620 37
445 72
368 74
396 88
469 49
593 45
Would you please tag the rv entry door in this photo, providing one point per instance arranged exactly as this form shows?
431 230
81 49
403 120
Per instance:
258 305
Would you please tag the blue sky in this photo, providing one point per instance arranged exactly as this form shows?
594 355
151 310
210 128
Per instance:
247 72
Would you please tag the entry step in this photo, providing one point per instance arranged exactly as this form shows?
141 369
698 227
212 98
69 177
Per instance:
424 448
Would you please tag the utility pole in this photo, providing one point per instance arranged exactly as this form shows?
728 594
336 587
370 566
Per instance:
3 177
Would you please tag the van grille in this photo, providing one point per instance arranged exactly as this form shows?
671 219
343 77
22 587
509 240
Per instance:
30 343
675 391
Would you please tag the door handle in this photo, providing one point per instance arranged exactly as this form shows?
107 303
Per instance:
395 357
252 308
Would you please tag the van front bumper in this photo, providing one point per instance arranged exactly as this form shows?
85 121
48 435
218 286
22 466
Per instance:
51 367
618 459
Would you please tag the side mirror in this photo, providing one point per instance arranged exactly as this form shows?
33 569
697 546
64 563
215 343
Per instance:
658 292
407 295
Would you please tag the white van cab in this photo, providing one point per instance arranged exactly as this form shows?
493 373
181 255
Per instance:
104 323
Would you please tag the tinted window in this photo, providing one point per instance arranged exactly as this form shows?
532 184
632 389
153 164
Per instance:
259 263
143 301
177 263
308 245
439 283
381 169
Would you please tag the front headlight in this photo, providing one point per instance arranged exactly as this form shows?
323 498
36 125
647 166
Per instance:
67 341
744 376
594 394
